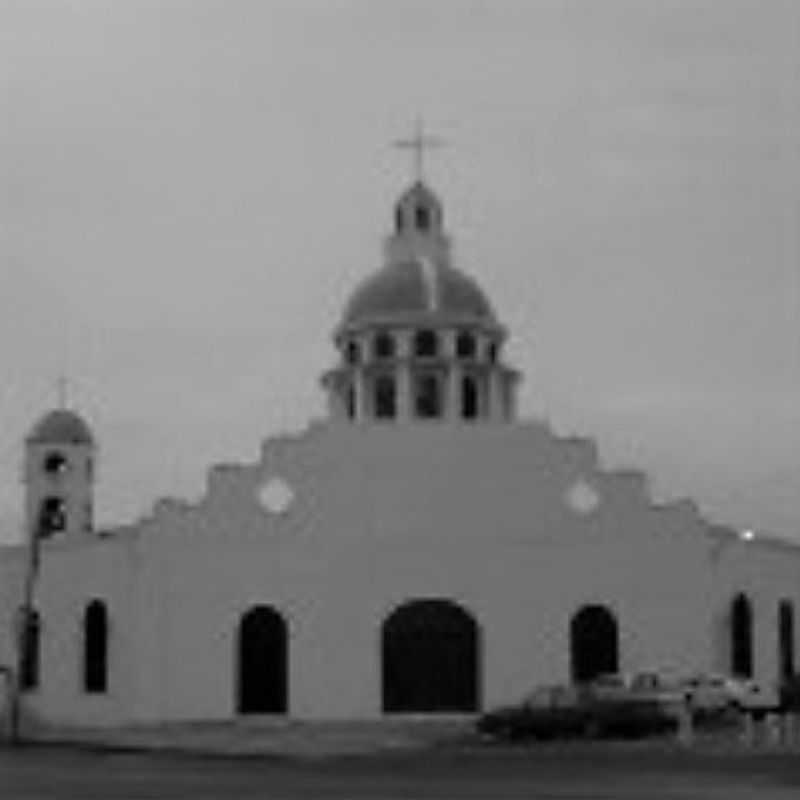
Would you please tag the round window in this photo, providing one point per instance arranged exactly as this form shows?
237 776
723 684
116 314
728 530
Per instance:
276 496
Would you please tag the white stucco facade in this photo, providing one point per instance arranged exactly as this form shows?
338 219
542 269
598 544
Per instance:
518 527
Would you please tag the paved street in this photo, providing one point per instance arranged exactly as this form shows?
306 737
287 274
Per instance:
552 774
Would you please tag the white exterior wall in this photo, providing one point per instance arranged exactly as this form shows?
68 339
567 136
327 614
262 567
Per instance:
767 573
71 575
383 515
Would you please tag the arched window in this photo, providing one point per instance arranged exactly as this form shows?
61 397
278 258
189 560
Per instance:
465 345
383 346
426 343
469 397
428 400
30 644
352 353
385 397
263 667
52 517
95 648
430 658
491 352
55 463
741 627
350 402
786 639
423 218
594 643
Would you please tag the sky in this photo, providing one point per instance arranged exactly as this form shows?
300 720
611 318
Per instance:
190 191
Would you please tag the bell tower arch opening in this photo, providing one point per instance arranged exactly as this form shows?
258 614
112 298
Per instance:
59 477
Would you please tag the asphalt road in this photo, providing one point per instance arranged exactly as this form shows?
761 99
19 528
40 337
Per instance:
508 774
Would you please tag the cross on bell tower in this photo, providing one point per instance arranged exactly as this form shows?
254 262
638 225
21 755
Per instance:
418 143
418 214
62 389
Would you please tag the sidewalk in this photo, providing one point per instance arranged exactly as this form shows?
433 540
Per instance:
287 738
269 737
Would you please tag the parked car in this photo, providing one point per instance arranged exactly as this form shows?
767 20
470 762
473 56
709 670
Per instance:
547 712
638 686
573 711
711 692
749 694
634 717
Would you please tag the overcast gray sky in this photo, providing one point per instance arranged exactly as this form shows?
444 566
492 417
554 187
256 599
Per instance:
190 190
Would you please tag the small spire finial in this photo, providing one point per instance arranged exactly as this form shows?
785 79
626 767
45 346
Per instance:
418 143
61 388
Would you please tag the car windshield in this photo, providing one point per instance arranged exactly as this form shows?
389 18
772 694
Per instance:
549 696
707 681
541 697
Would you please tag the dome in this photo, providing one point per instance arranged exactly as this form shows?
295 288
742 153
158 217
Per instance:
417 289
420 194
61 426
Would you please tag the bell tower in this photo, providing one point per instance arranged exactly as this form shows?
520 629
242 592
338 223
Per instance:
418 228
419 341
59 477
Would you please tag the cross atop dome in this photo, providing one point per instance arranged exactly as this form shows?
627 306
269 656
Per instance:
62 388
418 143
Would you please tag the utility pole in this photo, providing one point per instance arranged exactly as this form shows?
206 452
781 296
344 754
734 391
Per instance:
23 633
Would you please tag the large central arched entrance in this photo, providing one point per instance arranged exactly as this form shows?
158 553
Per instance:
430 657
262 663
594 643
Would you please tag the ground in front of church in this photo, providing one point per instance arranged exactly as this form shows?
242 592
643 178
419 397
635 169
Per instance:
649 770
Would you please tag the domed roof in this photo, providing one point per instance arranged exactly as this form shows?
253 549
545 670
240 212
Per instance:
415 289
61 426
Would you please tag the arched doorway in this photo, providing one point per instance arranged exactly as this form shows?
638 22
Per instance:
594 643
430 657
95 648
786 639
31 644
262 662
741 636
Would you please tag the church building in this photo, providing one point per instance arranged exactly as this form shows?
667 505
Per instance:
420 551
